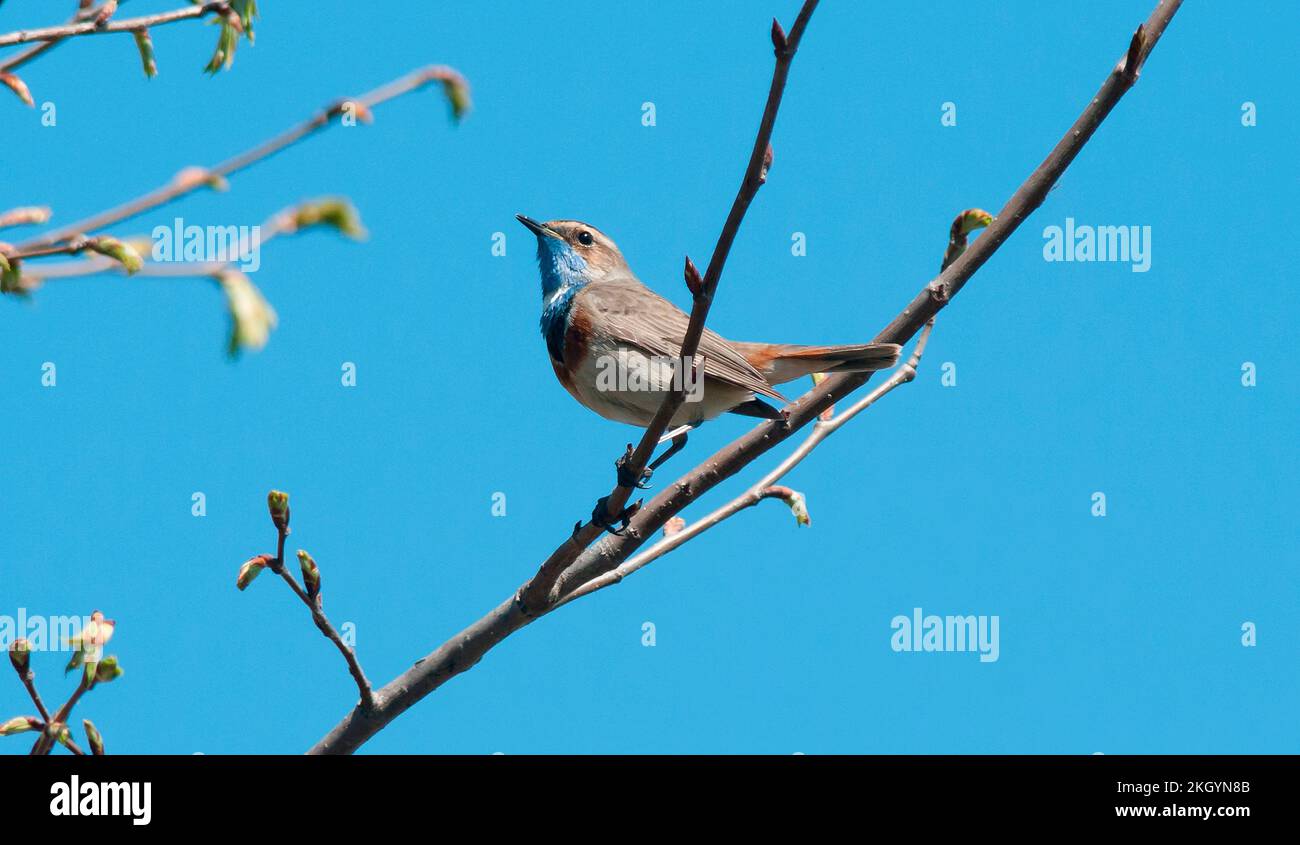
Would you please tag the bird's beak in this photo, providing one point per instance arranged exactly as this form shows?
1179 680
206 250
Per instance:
536 228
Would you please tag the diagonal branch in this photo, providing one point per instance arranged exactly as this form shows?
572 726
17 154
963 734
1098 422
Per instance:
95 27
323 623
278 505
466 648
84 12
283 222
46 740
826 425
762 488
191 179
30 683
537 593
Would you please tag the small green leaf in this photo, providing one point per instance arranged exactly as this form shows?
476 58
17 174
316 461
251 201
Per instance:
144 44
457 91
251 317
338 214
224 54
974 218
247 11
12 280
118 251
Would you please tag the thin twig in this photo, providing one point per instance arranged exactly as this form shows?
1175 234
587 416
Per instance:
280 223
84 12
28 55
762 488
466 648
92 27
323 623
29 681
192 179
46 742
547 583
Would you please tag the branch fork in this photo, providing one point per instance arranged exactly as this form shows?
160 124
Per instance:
278 507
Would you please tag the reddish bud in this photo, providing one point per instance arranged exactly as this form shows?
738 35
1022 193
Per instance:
779 42
694 282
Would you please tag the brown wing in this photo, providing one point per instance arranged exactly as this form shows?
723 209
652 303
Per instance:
631 313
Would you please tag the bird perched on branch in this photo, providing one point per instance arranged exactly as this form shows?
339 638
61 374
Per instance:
614 343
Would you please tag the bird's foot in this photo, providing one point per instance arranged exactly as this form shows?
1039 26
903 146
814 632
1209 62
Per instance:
625 474
600 516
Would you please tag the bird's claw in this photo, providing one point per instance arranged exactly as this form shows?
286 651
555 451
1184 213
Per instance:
625 475
600 516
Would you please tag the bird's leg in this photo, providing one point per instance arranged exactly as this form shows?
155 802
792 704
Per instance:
678 438
679 443
625 479
600 515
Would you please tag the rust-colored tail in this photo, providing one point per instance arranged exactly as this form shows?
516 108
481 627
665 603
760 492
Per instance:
782 362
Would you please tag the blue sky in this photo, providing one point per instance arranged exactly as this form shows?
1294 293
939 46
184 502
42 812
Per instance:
1117 634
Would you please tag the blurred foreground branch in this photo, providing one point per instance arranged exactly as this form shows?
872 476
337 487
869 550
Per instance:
252 318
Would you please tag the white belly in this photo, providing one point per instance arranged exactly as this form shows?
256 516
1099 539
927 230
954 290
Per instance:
624 384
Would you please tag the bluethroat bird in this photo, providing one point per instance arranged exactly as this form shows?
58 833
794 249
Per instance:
596 313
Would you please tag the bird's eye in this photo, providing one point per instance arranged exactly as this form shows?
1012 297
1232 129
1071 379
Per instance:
585 238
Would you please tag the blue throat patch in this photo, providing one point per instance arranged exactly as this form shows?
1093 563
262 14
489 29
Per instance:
563 274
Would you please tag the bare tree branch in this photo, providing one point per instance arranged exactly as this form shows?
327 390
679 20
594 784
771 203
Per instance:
20 656
283 222
73 747
46 740
466 648
94 668
323 623
84 12
278 505
93 26
191 179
